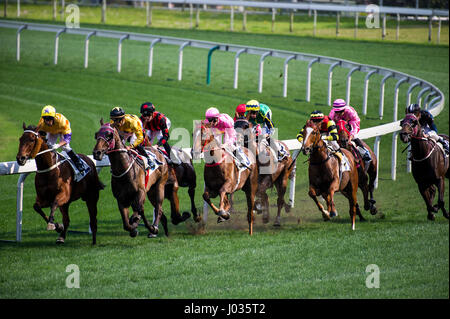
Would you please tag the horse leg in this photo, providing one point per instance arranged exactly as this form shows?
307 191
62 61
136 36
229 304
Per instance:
330 203
207 199
66 221
372 177
427 193
124 213
313 194
159 198
281 186
364 186
441 203
191 192
223 213
250 203
92 208
175 206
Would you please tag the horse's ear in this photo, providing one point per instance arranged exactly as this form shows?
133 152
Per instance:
101 121
37 128
24 126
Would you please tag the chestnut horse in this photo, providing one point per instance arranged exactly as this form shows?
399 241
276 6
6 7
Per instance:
428 162
128 181
325 177
222 177
272 173
55 183
367 174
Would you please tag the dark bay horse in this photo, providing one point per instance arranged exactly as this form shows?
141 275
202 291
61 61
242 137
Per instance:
55 184
272 173
223 178
325 177
428 162
129 182
367 173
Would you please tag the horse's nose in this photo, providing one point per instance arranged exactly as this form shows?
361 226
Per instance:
306 150
97 155
21 159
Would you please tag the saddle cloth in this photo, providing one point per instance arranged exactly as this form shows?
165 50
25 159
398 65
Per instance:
174 157
77 175
144 162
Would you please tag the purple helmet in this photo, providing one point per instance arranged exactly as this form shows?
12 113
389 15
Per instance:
339 105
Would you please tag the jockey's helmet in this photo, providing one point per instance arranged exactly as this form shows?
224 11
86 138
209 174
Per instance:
147 108
316 116
117 113
339 105
252 105
241 109
412 108
212 113
48 111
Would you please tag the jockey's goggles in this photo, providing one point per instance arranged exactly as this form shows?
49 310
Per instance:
48 118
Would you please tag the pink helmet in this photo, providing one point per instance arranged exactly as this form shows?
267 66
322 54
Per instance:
212 112
339 105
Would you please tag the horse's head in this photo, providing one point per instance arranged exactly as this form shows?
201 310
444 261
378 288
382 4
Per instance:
343 132
312 137
410 127
105 140
207 135
29 144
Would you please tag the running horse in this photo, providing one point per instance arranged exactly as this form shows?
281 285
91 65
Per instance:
325 177
429 164
367 174
55 184
222 176
129 182
272 173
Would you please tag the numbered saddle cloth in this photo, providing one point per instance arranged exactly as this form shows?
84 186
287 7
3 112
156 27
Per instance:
78 176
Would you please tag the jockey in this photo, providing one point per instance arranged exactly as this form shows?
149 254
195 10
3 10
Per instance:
259 113
426 121
342 111
156 124
57 126
130 128
329 130
224 125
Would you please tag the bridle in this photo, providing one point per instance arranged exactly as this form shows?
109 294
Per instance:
43 152
315 145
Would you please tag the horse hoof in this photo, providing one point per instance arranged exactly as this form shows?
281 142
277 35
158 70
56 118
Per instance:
51 226
134 233
224 215
197 219
445 215
431 217
154 229
59 228
326 216
185 216
333 214
60 240
152 235
277 223
220 220
287 208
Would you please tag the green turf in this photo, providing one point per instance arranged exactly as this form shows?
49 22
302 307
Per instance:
305 258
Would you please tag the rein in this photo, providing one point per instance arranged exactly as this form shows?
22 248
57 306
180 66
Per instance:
429 153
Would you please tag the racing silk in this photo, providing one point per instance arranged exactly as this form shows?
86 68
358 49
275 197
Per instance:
327 127
225 127
264 117
241 122
350 116
61 126
158 123
132 125
426 119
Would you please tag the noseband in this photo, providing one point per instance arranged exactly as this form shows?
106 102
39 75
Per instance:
101 134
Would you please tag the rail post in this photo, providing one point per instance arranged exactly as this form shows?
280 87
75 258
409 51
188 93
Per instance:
366 90
180 59
308 79
382 89
236 67
57 44
19 205
261 69
285 74
19 30
330 81
86 48
349 82
150 56
119 52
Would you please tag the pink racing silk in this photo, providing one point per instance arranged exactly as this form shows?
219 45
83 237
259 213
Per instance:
350 116
225 127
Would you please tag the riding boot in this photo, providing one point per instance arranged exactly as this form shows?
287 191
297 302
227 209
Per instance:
150 162
444 143
240 157
274 146
168 150
76 160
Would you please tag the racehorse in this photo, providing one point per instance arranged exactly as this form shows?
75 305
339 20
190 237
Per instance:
366 183
55 184
428 162
183 173
325 176
272 173
129 182
223 177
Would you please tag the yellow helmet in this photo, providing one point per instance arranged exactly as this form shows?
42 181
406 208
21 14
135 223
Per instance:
252 105
49 111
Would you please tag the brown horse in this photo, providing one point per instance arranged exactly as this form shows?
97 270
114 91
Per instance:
325 176
181 175
429 164
55 184
223 178
367 174
129 182
272 173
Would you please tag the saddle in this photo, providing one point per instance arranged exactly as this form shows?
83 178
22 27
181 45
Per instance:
78 176
142 161
174 159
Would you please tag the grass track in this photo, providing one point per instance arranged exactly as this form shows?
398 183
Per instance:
305 258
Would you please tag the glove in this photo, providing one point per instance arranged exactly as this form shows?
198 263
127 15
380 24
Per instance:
329 138
55 147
